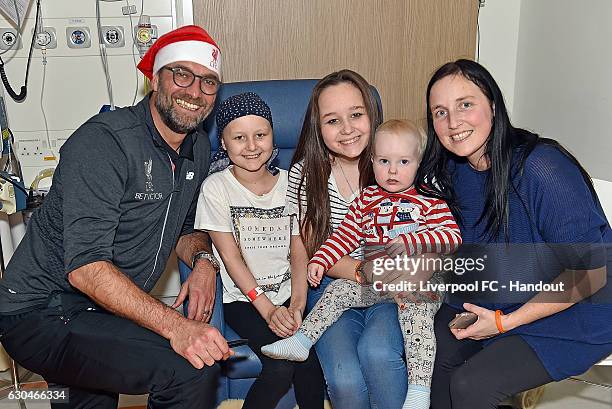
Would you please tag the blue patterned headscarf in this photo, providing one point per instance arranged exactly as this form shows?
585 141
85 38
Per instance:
237 106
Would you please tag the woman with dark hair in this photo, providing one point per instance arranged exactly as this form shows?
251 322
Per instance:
529 203
361 354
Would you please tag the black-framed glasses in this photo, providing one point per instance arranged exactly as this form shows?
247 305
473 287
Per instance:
184 78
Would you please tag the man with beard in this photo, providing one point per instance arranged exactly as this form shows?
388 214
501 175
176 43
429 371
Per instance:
74 304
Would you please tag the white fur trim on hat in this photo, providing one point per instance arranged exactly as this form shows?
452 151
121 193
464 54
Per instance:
199 52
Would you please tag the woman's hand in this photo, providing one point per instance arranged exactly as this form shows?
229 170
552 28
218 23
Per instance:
484 328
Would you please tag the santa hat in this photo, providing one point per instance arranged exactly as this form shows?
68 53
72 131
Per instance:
188 43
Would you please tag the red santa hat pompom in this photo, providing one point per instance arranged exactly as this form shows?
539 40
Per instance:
188 43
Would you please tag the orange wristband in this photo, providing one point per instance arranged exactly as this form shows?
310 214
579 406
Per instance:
498 315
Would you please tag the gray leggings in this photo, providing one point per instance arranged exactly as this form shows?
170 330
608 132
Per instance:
416 321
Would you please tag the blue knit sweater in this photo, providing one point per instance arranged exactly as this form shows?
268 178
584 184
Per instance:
551 213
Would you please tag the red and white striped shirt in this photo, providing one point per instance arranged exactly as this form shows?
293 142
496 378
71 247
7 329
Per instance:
376 216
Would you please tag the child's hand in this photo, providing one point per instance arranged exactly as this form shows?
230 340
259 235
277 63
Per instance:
315 274
397 247
297 317
282 322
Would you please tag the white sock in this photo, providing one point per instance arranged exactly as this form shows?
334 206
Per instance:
417 397
294 348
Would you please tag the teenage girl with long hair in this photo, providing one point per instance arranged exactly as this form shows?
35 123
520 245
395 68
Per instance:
361 354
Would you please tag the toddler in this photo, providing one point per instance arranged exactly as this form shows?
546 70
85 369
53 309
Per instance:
384 216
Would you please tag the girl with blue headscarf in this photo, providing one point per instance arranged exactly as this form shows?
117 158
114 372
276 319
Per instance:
242 206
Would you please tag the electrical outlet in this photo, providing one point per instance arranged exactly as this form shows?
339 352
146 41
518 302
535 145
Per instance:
34 152
78 37
47 38
113 36
29 148
30 152
9 39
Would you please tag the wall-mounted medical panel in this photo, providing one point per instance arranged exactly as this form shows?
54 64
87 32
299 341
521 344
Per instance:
67 84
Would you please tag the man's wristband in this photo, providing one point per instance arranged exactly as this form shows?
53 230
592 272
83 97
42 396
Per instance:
207 256
254 293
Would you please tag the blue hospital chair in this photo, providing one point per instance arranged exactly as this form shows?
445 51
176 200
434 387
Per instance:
288 100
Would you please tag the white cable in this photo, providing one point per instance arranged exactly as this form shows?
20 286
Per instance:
104 58
43 51
42 106
134 49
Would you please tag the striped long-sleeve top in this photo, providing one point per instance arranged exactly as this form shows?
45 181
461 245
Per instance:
425 224
296 200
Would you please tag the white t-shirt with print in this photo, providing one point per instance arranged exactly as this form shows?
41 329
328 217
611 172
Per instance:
261 227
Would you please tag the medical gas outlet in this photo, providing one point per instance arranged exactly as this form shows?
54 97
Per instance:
113 36
145 34
78 37
46 38
9 39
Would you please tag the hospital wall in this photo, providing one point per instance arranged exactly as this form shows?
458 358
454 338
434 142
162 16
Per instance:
552 59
